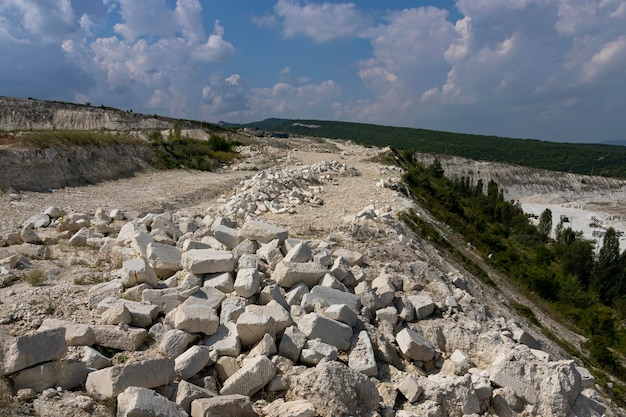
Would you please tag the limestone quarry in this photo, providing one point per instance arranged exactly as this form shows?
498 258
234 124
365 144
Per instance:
282 285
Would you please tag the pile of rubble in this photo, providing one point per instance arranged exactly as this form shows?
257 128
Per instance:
229 316
281 190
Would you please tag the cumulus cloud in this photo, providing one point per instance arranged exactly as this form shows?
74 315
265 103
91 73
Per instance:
35 21
319 22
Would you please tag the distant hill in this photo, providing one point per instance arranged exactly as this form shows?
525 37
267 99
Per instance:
587 159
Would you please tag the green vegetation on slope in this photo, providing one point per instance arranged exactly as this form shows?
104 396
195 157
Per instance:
44 139
588 159
577 287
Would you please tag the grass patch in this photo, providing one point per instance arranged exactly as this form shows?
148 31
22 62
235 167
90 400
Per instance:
203 155
35 277
66 138
90 280
525 311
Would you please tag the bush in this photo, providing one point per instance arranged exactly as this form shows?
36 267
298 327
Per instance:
35 277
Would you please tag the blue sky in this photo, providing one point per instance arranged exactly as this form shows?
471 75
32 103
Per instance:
544 69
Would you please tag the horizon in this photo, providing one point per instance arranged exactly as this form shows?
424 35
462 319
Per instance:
549 71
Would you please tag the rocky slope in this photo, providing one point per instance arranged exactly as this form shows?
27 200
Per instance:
31 114
299 293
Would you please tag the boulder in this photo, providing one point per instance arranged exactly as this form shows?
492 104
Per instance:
361 357
164 259
225 341
262 232
193 360
76 334
424 305
335 390
149 373
194 318
224 406
247 282
253 375
253 324
329 331
291 344
174 342
119 338
288 274
137 271
296 408
144 402
22 352
208 261
187 393
414 345
66 374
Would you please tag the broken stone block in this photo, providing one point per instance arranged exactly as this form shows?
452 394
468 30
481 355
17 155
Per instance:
330 281
207 297
525 338
137 271
150 373
388 314
315 351
79 238
267 347
94 359
296 408
144 402
193 360
224 406
208 261
194 318
291 343
119 338
164 259
101 291
299 253
272 292
247 282
410 388
288 274
336 390
187 392
341 313
22 352
222 281
424 305
333 296
66 374
231 308
76 334
254 375
29 235
414 345
385 290
141 314
294 296
353 258
329 331
225 367
116 314
228 236
253 324
174 342
165 299
262 232
361 357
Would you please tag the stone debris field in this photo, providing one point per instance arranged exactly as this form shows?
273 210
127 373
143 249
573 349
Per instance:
299 294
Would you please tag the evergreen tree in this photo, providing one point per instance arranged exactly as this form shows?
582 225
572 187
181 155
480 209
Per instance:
545 222
606 272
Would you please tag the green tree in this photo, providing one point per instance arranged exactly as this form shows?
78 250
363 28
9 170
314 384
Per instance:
435 169
577 260
606 271
545 222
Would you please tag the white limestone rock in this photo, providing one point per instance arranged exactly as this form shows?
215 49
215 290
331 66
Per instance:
254 375
414 345
361 357
329 331
144 402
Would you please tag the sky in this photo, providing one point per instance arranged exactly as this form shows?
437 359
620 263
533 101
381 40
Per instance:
543 69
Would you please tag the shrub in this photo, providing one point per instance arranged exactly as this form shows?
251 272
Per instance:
35 277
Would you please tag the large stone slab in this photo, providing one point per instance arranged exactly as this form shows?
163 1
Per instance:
253 375
333 296
224 406
150 373
228 236
111 336
423 304
22 352
208 261
253 325
66 374
164 259
76 334
137 271
329 331
141 314
414 345
193 360
288 274
144 402
194 318
262 232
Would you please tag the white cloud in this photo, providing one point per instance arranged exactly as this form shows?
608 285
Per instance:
319 22
29 20
216 48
